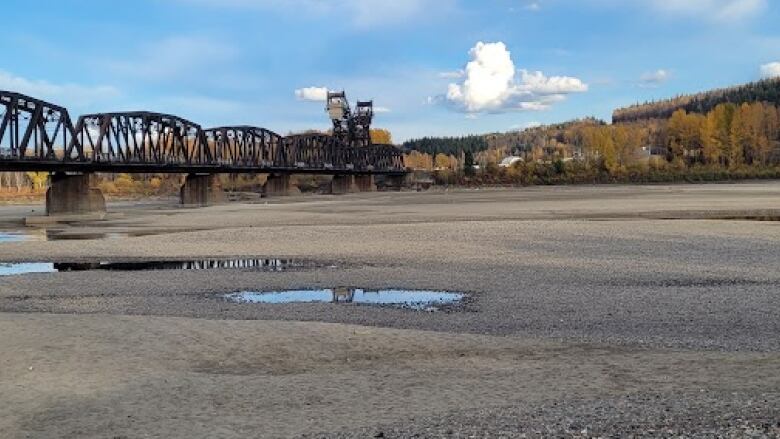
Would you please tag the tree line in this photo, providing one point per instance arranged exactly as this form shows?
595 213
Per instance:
447 145
767 90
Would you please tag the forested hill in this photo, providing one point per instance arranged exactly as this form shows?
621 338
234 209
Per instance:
512 140
447 145
767 90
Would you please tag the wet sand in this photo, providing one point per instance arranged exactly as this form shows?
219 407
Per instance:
592 311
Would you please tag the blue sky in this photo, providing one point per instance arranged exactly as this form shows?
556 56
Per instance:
433 67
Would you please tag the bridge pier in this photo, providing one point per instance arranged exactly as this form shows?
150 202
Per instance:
279 185
73 195
396 182
343 184
201 190
365 183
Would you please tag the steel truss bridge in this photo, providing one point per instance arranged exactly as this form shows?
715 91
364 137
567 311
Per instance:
40 136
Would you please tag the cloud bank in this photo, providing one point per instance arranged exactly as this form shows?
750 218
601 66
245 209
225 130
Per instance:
493 85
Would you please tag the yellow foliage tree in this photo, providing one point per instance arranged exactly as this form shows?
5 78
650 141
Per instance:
38 179
381 136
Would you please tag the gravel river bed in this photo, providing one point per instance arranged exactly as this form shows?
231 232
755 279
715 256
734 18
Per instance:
588 311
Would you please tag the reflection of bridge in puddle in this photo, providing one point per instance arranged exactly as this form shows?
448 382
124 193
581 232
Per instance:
411 299
17 268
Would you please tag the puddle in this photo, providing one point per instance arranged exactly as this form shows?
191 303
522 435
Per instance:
59 236
10 269
70 234
19 237
11 237
410 299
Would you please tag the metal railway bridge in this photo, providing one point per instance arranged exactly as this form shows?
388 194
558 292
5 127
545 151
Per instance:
36 135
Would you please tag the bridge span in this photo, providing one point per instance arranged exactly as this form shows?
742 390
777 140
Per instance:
40 136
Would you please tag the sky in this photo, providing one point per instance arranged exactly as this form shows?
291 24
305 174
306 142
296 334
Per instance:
432 67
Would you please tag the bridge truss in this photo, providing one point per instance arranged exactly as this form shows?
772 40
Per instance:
39 136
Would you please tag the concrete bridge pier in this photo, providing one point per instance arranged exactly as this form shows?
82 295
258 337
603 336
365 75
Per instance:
343 184
201 190
396 182
279 185
365 183
73 194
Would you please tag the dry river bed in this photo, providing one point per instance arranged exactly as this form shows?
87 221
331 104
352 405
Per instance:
613 311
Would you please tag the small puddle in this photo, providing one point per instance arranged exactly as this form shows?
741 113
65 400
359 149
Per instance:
72 235
419 300
19 237
10 269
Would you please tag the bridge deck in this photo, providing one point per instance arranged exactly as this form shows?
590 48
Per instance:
152 168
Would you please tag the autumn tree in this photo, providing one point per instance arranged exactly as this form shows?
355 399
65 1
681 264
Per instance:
381 136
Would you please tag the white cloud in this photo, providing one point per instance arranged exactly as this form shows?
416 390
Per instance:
654 79
771 70
720 10
381 110
491 84
60 94
314 94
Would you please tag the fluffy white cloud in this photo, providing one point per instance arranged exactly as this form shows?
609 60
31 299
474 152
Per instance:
60 94
654 79
771 70
491 84
381 110
314 94
721 10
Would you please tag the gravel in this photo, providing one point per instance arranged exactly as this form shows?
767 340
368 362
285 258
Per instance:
657 415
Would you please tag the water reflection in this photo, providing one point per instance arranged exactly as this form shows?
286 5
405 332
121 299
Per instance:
268 264
69 235
20 236
206 264
11 269
411 299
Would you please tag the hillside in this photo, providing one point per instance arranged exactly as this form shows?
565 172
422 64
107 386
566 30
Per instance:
767 90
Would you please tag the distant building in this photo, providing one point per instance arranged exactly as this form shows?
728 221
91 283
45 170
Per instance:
509 161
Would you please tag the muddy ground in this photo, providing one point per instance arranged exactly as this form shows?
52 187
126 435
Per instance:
607 310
